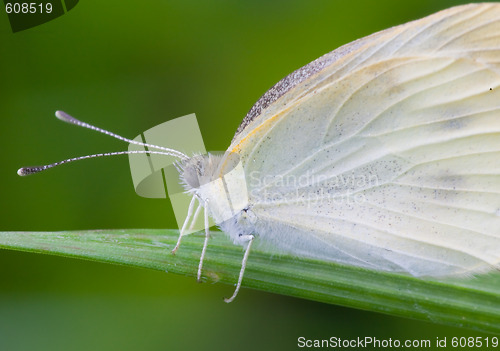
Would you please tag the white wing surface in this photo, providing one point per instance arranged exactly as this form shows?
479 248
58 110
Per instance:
388 156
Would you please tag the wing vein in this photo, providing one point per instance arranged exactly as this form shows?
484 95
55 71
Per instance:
469 30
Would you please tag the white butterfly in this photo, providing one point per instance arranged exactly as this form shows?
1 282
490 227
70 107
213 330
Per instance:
384 153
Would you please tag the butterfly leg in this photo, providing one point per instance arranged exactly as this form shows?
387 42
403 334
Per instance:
205 243
248 238
195 217
186 221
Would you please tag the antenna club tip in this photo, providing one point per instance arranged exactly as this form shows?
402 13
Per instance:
22 172
25 171
61 115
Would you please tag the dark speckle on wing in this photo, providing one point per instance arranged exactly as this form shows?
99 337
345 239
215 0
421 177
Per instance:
293 79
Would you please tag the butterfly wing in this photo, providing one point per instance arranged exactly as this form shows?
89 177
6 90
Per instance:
386 152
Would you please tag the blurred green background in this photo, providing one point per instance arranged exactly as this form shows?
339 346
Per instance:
128 66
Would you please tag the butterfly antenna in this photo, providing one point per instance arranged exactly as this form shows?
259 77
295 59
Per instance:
63 116
24 171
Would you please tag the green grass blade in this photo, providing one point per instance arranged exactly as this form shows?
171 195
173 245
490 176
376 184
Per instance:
472 303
